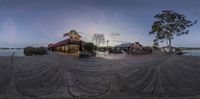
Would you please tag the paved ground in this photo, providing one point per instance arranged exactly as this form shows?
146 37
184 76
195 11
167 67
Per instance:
58 75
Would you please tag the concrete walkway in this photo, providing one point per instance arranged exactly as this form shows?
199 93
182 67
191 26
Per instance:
58 75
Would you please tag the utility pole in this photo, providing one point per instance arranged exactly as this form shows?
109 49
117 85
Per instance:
107 43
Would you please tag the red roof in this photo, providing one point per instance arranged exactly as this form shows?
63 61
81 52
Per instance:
67 41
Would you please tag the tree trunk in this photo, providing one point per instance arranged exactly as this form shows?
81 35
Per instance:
170 45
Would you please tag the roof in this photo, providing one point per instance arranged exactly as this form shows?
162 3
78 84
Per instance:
66 41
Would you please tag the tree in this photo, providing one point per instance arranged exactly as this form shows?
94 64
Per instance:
73 34
98 39
155 44
29 51
169 24
115 37
89 47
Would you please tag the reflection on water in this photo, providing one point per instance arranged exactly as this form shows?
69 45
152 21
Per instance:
107 55
193 52
9 52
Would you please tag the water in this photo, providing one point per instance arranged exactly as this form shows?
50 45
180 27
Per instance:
9 52
193 52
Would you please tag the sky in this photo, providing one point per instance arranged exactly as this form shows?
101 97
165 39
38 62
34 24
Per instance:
40 22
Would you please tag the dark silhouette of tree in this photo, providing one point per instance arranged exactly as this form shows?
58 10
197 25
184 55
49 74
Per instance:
89 47
73 34
169 24
98 39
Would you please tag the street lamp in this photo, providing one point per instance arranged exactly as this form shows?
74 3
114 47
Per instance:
107 43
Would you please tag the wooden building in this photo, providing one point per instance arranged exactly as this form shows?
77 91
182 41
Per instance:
71 45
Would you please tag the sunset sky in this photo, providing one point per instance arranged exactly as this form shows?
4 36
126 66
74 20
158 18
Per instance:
40 22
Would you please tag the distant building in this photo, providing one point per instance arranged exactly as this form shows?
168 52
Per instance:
138 49
124 46
72 45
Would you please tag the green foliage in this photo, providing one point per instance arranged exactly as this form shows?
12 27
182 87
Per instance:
30 51
95 47
169 24
178 50
74 32
89 47
71 32
40 51
155 44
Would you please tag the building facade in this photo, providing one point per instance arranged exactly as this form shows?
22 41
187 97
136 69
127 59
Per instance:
71 45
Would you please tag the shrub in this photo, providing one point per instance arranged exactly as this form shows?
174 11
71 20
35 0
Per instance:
40 51
84 54
95 47
178 50
89 47
29 51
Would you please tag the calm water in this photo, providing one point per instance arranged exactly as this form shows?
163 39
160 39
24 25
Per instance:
8 52
193 52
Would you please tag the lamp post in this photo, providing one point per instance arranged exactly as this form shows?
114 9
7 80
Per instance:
107 43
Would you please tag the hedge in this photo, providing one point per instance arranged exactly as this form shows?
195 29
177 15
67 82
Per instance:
30 51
